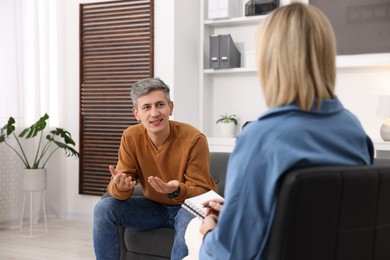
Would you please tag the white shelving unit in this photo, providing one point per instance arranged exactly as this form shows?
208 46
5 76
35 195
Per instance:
229 71
233 91
234 21
221 145
238 91
381 149
363 61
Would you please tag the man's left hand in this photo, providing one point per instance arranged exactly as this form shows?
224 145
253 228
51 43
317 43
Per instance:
163 187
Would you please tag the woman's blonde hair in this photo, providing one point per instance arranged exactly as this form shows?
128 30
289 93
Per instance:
296 56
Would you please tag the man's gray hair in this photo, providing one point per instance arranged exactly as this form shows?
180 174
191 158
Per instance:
145 86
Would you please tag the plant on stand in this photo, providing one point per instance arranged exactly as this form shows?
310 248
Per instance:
59 138
34 176
228 124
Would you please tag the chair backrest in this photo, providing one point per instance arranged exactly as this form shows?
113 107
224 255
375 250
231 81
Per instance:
331 212
218 167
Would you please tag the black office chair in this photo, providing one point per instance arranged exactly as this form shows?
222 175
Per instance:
329 213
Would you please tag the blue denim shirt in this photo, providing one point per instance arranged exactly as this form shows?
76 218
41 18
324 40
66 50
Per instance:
283 138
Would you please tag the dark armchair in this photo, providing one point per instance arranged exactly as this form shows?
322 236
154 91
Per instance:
157 244
323 213
329 213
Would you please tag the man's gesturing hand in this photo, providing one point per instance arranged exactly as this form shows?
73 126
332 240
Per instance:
121 180
163 187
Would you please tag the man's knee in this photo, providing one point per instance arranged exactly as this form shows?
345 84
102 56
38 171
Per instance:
183 217
103 208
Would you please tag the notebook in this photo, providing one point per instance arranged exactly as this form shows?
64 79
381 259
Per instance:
195 204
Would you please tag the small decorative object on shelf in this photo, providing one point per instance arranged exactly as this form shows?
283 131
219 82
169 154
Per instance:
227 125
260 7
385 130
383 110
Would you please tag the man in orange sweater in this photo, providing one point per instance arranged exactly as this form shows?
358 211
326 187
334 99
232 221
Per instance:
169 159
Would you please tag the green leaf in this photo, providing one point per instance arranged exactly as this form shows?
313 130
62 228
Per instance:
69 151
10 125
64 134
34 129
7 129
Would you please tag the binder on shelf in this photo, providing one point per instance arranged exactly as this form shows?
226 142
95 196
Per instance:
214 51
229 55
222 9
223 52
213 9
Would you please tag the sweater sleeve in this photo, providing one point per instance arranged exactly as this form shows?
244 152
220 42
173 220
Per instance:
118 194
125 164
197 178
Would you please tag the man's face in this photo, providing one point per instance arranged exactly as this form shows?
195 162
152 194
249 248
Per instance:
153 111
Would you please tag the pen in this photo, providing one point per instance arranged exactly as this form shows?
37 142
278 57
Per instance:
208 206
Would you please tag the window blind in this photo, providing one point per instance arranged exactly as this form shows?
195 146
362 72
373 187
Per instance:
116 50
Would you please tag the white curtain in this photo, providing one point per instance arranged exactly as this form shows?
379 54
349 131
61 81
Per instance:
29 60
29 73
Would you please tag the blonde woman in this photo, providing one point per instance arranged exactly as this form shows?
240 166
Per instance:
305 125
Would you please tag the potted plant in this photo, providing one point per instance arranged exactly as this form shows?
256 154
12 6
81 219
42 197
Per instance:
228 124
59 138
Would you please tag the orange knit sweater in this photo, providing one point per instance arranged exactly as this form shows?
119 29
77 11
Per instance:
184 157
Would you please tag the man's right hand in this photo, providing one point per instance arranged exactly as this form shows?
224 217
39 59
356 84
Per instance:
121 180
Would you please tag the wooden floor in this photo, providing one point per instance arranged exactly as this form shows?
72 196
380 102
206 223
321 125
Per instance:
65 240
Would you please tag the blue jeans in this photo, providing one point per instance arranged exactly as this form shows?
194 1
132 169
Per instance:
137 213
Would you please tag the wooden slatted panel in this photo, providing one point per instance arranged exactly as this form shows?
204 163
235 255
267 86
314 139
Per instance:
116 49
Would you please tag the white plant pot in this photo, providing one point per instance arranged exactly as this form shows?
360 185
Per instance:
227 129
34 179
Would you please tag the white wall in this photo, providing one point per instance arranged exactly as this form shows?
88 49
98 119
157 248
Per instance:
76 206
359 90
164 42
176 54
186 60
176 60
